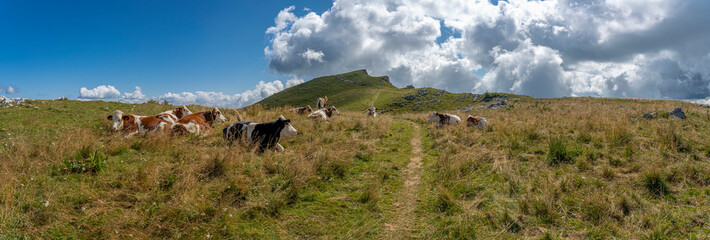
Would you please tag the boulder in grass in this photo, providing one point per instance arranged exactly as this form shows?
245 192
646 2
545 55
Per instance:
649 115
677 113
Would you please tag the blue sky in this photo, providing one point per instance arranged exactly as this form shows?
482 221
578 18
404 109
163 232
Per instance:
50 49
234 53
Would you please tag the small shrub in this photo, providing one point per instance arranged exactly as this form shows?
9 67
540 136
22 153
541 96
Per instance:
511 224
445 201
669 139
608 173
81 163
656 184
460 227
584 137
369 195
558 152
595 211
619 135
626 205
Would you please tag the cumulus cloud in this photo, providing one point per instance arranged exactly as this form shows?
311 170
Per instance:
610 48
293 82
219 99
136 96
100 92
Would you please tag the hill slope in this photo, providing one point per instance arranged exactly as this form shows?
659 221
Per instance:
568 168
357 91
347 90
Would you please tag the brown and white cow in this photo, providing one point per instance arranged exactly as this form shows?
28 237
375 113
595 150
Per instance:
134 124
203 120
444 119
320 102
476 121
324 114
302 110
372 112
172 116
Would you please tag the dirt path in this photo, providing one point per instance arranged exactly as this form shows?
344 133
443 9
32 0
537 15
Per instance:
372 103
403 219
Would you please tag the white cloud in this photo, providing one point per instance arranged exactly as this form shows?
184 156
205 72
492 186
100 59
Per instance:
100 92
219 99
312 55
136 96
629 48
10 90
293 82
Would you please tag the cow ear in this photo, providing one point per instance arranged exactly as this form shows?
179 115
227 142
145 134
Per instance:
126 118
110 117
287 121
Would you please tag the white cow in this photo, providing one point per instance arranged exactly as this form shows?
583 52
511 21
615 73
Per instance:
372 112
444 119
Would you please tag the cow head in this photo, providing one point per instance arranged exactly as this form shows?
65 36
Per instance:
217 115
288 130
309 109
471 120
117 118
334 110
434 117
181 112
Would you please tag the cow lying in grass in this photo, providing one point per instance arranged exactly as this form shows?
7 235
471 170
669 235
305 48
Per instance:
324 114
172 116
372 112
266 135
476 121
134 124
443 119
302 110
203 121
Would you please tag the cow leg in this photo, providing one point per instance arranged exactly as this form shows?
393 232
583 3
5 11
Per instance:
279 148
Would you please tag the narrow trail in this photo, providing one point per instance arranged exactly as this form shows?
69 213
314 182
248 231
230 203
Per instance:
403 219
372 103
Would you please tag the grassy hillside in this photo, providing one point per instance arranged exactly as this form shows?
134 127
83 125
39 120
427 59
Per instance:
357 91
351 90
570 168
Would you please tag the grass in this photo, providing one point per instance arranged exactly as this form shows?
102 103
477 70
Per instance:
569 168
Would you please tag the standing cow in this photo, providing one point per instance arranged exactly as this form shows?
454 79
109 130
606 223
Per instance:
320 102
266 135
444 119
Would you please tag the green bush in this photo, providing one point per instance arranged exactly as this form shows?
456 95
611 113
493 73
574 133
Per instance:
558 152
82 163
656 183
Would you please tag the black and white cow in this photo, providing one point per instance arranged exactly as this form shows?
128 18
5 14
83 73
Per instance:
267 135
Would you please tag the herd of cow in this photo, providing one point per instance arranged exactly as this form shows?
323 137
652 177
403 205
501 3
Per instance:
265 135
